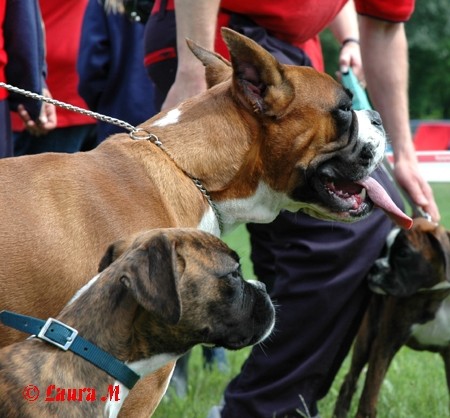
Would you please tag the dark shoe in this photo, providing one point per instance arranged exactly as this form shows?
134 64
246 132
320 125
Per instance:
215 356
215 412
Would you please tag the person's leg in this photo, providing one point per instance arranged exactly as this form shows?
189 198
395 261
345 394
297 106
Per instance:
215 356
321 295
160 47
6 139
70 139
262 255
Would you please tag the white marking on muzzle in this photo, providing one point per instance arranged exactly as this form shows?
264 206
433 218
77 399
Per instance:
370 134
261 286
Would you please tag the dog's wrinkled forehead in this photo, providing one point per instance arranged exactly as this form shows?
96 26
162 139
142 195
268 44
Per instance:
212 253
196 246
425 238
419 234
398 239
181 237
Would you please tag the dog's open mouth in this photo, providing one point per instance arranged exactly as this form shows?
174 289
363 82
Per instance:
357 198
350 196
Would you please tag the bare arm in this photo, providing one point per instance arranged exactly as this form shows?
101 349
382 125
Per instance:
196 20
385 56
345 27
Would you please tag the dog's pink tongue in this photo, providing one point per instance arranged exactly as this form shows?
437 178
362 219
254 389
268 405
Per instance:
381 199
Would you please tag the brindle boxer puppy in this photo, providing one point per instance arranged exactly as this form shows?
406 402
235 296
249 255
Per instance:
415 311
171 289
265 137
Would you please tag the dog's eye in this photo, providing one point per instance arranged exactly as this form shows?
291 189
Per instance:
346 107
235 274
343 118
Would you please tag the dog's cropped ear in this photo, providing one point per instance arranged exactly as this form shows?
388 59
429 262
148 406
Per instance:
217 68
446 250
441 242
258 78
152 276
114 251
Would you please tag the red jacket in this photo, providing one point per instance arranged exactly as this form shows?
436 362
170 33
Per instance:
299 22
62 20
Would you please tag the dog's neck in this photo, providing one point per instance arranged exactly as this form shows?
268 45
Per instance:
107 300
223 156
209 137
100 303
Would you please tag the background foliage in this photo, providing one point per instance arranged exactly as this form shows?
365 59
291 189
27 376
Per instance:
428 34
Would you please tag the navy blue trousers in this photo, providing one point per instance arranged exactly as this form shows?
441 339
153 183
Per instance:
68 139
316 272
6 140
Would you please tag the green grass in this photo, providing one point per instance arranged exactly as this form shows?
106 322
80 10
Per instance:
414 387
442 196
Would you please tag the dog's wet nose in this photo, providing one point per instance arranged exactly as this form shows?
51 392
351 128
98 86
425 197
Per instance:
379 269
375 118
367 153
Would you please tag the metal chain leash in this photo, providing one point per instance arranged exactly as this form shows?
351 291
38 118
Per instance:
66 106
135 133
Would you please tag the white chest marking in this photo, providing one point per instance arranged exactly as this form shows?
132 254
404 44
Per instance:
170 118
142 368
261 207
437 331
209 223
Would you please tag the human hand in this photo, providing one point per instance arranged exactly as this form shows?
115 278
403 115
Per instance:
411 180
46 121
187 84
350 57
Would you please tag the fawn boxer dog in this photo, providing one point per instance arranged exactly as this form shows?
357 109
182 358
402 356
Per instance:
415 310
169 290
264 137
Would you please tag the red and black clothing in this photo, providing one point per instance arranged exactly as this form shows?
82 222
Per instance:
74 131
21 62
